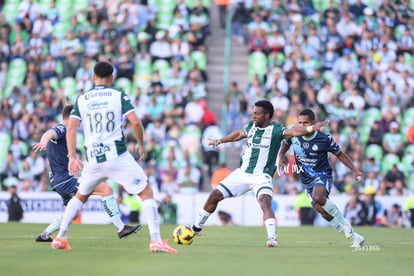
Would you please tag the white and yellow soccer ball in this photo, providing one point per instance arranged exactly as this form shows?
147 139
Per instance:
183 234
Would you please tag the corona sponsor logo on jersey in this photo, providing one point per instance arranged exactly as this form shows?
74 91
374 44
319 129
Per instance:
97 94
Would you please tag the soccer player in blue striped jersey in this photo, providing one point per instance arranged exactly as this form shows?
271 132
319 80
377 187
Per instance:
53 141
258 165
311 155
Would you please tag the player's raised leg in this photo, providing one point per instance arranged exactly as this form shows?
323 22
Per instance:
209 207
334 216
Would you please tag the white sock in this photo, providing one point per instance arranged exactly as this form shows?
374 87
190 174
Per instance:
335 224
150 211
270 225
111 207
53 226
338 218
201 218
71 211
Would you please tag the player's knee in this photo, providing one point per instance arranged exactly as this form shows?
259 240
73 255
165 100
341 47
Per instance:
319 199
216 195
265 200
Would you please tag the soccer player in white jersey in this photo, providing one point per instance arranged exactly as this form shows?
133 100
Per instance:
102 110
66 185
258 165
311 154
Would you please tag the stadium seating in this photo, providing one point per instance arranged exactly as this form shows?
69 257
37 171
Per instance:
374 151
388 161
257 65
124 84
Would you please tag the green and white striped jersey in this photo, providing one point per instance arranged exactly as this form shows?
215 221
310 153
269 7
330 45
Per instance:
101 112
262 147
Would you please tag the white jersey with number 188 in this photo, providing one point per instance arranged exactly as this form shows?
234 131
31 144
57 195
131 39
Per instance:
101 111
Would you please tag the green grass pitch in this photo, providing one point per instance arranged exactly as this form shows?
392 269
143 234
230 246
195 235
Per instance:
226 250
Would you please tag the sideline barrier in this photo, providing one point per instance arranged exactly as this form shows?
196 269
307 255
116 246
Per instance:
43 207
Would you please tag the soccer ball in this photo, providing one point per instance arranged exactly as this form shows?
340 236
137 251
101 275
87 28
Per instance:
183 234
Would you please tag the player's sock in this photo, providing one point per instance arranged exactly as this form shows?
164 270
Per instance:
335 224
150 211
201 218
270 225
111 208
338 221
72 210
53 226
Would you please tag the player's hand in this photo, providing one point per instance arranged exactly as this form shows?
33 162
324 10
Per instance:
214 142
140 149
75 166
359 176
320 125
39 147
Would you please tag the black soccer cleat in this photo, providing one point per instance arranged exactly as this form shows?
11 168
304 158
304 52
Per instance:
197 231
40 239
128 230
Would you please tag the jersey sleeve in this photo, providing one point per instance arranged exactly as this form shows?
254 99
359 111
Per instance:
127 106
282 129
333 146
75 111
247 128
60 131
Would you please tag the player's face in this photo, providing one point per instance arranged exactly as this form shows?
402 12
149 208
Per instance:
304 121
259 117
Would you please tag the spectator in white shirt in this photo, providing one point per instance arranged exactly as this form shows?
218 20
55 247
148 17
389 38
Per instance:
355 99
43 27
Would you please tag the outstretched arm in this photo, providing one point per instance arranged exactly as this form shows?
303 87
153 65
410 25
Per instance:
46 137
137 127
304 130
75 165
232 137
284 147
346 160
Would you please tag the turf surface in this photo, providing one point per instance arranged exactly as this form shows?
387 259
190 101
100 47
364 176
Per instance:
227 250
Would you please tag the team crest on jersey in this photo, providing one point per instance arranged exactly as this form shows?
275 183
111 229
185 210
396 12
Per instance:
306 145
315 147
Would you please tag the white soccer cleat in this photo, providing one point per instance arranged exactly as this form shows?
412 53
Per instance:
358 241
272 242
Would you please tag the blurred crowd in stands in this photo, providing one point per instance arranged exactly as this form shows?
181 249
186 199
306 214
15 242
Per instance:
48 49
351 61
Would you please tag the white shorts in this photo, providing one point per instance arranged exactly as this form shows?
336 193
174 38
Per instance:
239 183
123 170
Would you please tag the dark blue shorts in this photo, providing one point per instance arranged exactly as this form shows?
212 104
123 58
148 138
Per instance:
67 190
321 180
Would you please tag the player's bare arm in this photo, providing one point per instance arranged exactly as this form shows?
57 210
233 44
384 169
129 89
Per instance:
232 137
304 130
280 160
346 160
46 137
75 165
137 128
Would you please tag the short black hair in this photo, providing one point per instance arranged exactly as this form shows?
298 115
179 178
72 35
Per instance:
308 112
66 111
267 107
103 69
